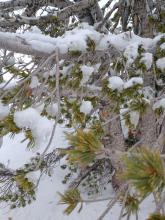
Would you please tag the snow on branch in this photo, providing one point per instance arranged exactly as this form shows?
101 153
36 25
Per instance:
32 43
9 5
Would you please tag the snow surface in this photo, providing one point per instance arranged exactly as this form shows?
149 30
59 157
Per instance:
14 154
7 86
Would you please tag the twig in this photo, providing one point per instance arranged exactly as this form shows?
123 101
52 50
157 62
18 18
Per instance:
110 205
58 113
123 205
160 204
107 16
112 202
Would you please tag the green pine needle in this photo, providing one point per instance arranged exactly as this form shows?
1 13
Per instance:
156 217
72 198
145 170
86 147
132 204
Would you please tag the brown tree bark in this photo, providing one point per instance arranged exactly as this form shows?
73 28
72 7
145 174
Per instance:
141 23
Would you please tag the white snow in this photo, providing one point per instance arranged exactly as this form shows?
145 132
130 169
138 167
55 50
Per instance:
4 110
147 59
40 126
134 119
124 40
52 72
86 71
124 126
52 109
26 118
39 107
148 92
131 53
116 83
160 63
86 107
34 82
71 40
96 67
10 85
133 81
162 46
66 69
13 153
159 103
35 29
76 39
10 61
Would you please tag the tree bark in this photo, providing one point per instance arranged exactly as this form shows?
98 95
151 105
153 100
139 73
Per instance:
141 23
147 127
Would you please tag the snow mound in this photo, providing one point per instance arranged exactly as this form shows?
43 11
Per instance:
40 126
133 81
162 46
4 111
147 59
52 109
86 107
86 71
116 83
160 103
160 63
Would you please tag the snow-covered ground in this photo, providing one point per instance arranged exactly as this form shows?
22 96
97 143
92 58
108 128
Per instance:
46 206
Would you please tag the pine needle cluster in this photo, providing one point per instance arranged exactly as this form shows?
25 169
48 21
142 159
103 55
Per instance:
132 205
86 146
156 217
71 197
145 170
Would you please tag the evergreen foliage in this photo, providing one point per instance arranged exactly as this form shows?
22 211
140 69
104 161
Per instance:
144 168
71 197
156 217
86 147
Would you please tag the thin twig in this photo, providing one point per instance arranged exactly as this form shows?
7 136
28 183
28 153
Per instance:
58 113
160 204
123 205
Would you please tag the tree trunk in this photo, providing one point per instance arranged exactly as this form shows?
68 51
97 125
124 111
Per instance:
141 23
147 128
113 141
